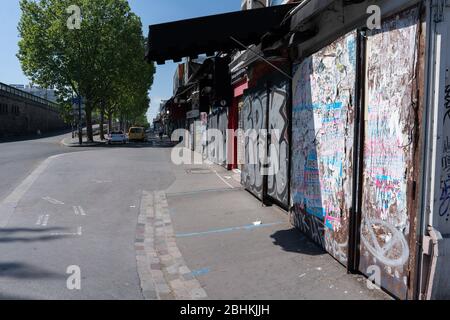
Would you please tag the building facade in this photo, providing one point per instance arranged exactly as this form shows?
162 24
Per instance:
358 123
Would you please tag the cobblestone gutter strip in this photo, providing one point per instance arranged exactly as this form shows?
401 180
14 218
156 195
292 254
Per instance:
161 267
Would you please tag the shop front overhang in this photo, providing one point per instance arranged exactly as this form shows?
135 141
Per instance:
217 33
311 21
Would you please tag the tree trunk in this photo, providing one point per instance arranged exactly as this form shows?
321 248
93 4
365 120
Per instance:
102 122
89 132
110 121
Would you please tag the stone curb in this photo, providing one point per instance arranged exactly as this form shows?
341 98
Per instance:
162 270
76 145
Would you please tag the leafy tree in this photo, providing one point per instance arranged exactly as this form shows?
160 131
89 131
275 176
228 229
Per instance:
95 61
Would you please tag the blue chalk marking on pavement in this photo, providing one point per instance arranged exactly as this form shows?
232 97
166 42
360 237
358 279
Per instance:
248 227
200 272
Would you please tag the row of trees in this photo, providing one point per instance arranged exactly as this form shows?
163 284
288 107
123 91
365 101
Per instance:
89 48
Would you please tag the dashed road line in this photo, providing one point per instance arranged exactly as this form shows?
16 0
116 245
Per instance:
39 221
79 211
82 211
45 220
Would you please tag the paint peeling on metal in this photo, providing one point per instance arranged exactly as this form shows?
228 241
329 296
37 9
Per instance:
324 91
392 55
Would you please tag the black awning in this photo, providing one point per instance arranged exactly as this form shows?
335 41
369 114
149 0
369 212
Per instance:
192 37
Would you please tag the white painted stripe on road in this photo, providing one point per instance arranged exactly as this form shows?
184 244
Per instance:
75 209
45 221
79 233
53 201
39 220
9 204
81 210
226 182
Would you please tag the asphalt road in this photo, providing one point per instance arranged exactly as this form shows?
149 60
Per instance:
19 158
78 209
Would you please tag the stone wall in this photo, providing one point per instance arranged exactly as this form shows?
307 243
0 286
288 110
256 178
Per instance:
20 116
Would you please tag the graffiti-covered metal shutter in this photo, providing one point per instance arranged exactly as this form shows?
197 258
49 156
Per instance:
279 98
223 127
254 112
389 145
266 127
322 144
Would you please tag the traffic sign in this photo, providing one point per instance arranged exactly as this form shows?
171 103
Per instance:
77 100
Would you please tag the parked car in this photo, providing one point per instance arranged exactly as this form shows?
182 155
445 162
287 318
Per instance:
117 137
136 134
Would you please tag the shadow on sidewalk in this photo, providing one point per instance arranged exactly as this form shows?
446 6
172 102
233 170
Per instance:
293 240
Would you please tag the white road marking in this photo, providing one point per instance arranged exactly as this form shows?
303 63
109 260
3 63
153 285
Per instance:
79 211
10 203
101 181
70 234
43 220
39 221
53 201
217 174
82 212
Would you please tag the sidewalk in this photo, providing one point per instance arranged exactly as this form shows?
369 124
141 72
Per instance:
74 142
207 238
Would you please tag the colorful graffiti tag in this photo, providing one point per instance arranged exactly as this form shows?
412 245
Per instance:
322 144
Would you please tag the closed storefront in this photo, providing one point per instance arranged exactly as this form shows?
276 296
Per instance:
265 114
390 142
322 129
254 116
327 181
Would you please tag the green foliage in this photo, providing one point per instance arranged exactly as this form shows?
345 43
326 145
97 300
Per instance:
103 61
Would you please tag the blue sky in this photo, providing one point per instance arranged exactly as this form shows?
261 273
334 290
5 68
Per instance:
150 11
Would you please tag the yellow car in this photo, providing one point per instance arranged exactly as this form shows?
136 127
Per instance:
136 134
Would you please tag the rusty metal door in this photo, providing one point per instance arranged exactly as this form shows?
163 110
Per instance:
389 168
322 144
